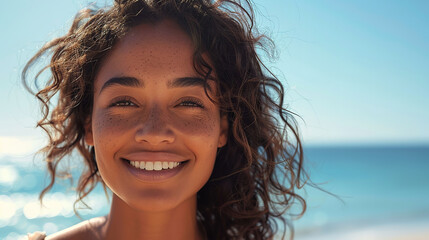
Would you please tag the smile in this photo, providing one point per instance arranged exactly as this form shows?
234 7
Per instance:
154 171
154 166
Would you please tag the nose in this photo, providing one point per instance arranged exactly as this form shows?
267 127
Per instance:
154 128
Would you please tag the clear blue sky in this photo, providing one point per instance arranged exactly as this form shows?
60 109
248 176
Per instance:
355 71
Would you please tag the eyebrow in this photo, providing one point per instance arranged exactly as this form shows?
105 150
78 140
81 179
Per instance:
176 83
122 81
188 82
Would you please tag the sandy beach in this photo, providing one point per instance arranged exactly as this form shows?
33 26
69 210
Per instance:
413 230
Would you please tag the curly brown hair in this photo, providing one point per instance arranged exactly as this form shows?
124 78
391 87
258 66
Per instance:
256 174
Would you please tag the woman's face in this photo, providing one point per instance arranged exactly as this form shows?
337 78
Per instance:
150 109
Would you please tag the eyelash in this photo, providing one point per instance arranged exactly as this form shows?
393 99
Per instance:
128 102
191 102
123 102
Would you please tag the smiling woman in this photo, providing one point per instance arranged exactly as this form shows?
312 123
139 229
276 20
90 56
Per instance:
159 115
170 107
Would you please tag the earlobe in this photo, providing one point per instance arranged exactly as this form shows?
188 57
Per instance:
88 137
223 137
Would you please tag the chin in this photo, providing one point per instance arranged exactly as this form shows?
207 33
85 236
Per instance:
156 200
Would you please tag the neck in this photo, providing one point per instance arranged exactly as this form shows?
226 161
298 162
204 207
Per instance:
125 222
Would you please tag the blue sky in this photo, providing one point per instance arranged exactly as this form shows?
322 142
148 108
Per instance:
355 71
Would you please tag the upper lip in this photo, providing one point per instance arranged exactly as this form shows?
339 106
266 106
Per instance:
148 156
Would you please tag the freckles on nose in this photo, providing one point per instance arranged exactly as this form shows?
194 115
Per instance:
155 128
155 116
152 121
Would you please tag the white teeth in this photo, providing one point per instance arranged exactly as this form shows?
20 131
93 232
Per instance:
157 166
149 166
165 165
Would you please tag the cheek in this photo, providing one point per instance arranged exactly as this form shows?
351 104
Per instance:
108 128
203 128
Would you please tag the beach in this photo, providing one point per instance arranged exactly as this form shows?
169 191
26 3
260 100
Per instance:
417 229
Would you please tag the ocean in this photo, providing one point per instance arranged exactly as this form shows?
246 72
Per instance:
359 192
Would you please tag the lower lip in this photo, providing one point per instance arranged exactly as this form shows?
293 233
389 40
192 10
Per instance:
154 176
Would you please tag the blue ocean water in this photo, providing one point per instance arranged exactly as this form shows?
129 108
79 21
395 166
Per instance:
361 185
372 186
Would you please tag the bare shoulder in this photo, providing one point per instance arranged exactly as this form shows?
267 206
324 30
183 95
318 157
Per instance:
89 229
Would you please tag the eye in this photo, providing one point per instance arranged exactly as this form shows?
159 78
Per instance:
122 102
191 103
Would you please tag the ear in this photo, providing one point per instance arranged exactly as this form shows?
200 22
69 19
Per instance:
88 136
223 137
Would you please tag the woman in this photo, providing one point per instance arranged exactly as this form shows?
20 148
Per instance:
170 107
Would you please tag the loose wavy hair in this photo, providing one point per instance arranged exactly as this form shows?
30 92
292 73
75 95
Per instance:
257 173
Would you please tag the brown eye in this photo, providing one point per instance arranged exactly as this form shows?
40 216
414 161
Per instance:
191 103
123 102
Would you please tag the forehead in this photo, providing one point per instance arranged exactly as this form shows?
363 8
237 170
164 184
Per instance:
165 36
160 50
